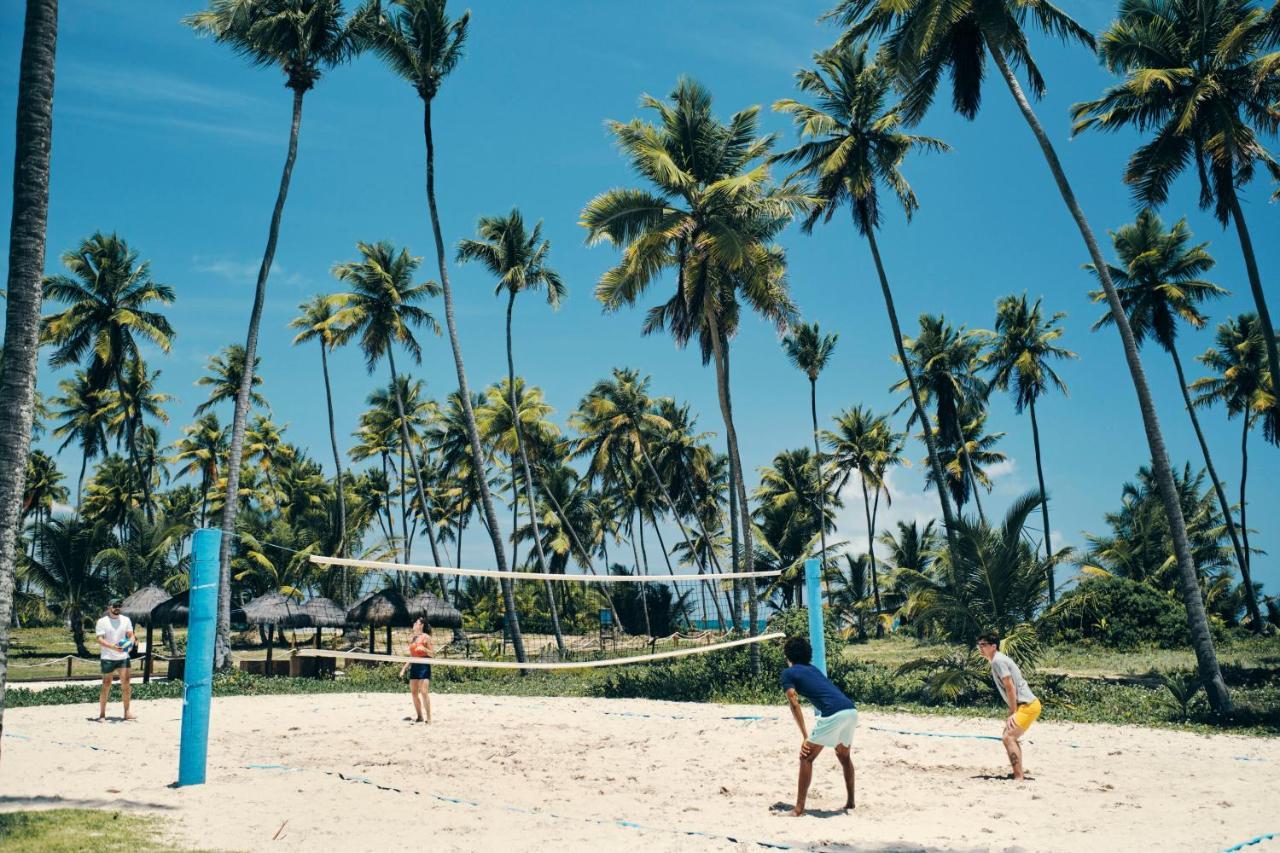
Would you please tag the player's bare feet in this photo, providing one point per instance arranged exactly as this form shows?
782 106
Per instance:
850 806
797 812
130 717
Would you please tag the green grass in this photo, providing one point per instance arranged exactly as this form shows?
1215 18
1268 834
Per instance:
74 830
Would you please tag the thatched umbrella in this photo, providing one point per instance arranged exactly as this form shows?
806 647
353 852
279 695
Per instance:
177 611
274 610
381 608
323 613
138 608
437 612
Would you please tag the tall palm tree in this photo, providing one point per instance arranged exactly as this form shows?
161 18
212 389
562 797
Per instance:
1159 284
788 513
926 38
202 450
851 145
135 400
866 444
1197 76
68 570
1245 387
809 350
301 38
315 324
518 259
224 377
84 413
22 304
711 216
43 487
421 45
1019 358
382 310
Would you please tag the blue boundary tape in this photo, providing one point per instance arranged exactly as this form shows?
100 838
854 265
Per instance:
626 824
1252 841
932 734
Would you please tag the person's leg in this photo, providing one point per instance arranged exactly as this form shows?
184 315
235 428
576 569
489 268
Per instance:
846 765
125 691
104 694
426 697
417 699
808 752
1013 748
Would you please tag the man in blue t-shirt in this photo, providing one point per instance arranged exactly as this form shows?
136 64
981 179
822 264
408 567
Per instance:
837 717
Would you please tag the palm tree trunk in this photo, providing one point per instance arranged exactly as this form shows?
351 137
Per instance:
528 480
1255 282
968 469
407 446
222 641
1244 477
1197 621
22 308
464 391
337 457
1251 598
871 553
1044 502
739 483
644 598
84 466
822 488
935 463
586 555
735 604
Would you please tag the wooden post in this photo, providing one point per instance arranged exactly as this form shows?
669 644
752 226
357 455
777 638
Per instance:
372 649
271 636
146 664
388 638
318 638
70 659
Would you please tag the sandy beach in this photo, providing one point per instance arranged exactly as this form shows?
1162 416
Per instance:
346 772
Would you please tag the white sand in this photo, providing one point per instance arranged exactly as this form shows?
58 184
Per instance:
541 773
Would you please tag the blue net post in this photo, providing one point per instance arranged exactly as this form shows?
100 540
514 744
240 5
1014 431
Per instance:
197 684
813 596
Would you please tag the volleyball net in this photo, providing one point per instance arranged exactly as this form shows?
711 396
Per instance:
533 620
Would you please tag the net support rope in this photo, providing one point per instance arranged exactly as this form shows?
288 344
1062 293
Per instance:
495 664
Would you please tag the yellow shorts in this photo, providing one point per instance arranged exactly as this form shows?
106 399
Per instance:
1026 715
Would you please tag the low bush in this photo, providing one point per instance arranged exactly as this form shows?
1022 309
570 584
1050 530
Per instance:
1118 613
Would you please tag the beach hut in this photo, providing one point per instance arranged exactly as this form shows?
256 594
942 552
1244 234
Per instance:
138 608
323 613
274 610
386 608
177 611
437 612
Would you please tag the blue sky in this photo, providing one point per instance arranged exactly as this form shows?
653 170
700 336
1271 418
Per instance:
176 144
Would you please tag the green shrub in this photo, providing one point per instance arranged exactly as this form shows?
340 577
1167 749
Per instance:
1118 613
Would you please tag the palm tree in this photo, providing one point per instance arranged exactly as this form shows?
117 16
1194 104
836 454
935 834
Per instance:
926 38
850 147
43 487
866 444
517 259
22 305
1020 355
809 350
300 37
201 450
135 400
224 377
67 569
788 513
381 309
1197 76
712 218
421 45
1159 283
85 413
964 462
1244 386
314 324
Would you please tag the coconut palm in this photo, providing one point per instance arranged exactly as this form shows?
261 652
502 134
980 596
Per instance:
225 373
866 444
790 513
135 400
382 310
43 487
518 259
301 38
202 450
1019 358
67 569
1243 385
808 350
964 463
422 45
30 213
1198 78
386 433
84 412
1159 282
851 146
925 39
314 324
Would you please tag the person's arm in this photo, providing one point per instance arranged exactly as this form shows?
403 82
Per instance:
797 712
431 646
102 641
1010 694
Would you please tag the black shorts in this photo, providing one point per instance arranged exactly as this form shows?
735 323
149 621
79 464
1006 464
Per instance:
110 666
419 671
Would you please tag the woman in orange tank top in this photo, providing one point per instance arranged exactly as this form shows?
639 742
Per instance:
421 645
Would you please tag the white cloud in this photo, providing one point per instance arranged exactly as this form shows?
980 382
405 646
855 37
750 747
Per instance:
140 84
235 270
907 502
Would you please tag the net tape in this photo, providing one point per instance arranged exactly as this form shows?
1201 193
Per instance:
525 576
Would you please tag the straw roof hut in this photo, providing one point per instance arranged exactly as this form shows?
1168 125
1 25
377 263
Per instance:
437 612
138 608
275 609
323 613
177 610
386 608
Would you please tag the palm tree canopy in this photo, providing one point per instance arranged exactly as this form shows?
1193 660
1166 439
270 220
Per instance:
298 36
382 305
808 349
84 412
865 443
1195 74
109 295
945 361
225 370
315 322
1243 384
851 144
1022 348
516 257
418 41
923 39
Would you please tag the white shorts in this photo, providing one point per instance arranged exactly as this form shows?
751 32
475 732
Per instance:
836 730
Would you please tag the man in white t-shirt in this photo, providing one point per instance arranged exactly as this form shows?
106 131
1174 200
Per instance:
116 638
